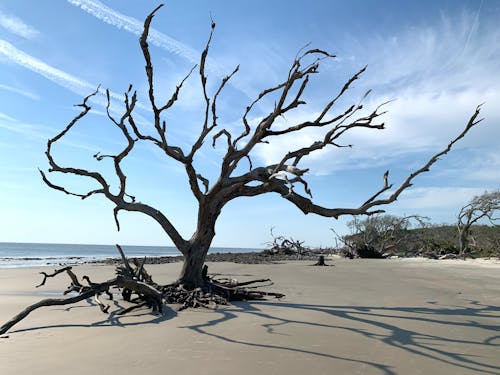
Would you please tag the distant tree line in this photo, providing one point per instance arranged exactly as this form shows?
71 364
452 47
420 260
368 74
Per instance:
371 240
476 234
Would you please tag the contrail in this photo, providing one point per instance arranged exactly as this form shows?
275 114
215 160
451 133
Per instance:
17 26
134 26
70 82
20 92
61 78
473 27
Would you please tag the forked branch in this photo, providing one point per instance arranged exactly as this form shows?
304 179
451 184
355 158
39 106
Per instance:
233 180
366 208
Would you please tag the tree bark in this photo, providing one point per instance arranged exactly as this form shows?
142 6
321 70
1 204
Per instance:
321 261
192 270
191 275
148 291
463 241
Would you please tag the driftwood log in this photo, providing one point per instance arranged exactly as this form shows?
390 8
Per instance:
135 280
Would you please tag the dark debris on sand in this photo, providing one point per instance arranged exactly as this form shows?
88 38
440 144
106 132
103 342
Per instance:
261 257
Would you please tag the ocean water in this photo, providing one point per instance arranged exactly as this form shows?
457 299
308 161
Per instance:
15 255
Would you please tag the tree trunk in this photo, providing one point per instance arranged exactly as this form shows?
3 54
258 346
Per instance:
463 241
321 261
192 270
194 258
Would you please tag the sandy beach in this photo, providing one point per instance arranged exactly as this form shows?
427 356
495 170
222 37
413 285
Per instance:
401 316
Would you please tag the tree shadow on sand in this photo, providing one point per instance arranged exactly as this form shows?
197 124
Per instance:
113 318
392 326
387 325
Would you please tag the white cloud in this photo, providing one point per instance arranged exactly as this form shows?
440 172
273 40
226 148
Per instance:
479 167
3 116
63 79
17 26
438 198
452 54
427 121
438 74
69 82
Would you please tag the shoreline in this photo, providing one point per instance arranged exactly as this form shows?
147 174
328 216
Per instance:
253 257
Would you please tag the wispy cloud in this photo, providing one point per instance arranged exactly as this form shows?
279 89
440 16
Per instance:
69 82
25 93
438 198
481 166
37 131
155 37
55 75
61 78
453 53
134 26
442 204
34 131
436 91
3 116
17 26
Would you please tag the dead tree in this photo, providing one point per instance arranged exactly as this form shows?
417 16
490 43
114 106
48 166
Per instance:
138 288
286 246
377 235
126 278
232 182
481 207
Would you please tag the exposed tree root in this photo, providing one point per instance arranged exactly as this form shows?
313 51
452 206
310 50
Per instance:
214 292
138 288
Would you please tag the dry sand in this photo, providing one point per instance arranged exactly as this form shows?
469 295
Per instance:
360 317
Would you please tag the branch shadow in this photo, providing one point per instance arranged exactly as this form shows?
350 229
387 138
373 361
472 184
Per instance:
379 324
390 320
113 318
228 315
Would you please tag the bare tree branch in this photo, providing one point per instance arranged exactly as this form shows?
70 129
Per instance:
282 177
365 209
484 206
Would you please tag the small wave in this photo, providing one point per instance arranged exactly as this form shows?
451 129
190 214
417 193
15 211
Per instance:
38 258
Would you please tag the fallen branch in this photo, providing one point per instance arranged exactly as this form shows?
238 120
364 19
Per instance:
72 276
54 302
136 280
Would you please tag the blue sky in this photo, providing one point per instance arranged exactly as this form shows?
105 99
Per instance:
438 59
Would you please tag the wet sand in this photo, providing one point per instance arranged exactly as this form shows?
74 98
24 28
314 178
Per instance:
400 316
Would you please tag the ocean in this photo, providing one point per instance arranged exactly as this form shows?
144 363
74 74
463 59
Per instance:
15 255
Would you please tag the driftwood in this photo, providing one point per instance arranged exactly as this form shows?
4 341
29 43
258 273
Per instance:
53 302
136 280
287 246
